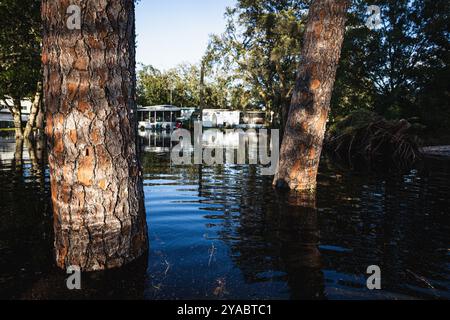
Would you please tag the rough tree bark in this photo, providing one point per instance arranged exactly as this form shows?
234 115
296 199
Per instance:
34 111
305 128
89 92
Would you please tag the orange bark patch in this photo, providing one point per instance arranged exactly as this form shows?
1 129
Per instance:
73 136
315 84
86 168
54 77
322 14
90 115
54 191
58 144
103 76
49 126
295 169
304 126
102 184
84 89
83 106
94 43
72 89
62 253
44 59
318 29
59 119
324 116
81 64
65 193
313 156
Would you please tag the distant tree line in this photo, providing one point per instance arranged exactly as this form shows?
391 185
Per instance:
182 86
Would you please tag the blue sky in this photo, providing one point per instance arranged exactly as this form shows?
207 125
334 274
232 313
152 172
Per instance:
170 32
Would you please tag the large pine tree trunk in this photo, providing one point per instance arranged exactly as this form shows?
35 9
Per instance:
89 92
305 128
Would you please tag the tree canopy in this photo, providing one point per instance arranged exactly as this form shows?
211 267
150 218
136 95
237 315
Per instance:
20 48
260 49
400 70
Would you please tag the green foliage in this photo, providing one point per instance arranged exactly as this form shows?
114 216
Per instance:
181 86
20 46
178 86
400 70
353 121
260 50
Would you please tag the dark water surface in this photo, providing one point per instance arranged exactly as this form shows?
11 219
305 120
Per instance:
224 233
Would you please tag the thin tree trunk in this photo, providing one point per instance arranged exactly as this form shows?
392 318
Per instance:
202 90
89 93
305 128
34 111
18 155
40 120
16 112
31 147
40 153
284 110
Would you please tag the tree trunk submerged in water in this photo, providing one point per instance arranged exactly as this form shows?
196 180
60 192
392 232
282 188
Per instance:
18 155
305 128
89 92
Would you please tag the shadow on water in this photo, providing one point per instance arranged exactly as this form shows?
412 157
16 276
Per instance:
279 241
223 232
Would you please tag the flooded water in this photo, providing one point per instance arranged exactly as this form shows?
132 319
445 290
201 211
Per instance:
223 232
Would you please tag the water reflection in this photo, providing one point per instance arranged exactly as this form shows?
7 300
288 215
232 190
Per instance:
284 247
223 232
155 141
160 141
25 231
281 243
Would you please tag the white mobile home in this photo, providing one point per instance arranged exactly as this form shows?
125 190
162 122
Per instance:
217 118
186 113
6 119
253 119
158 117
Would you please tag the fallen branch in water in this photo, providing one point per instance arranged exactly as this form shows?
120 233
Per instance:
368 138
